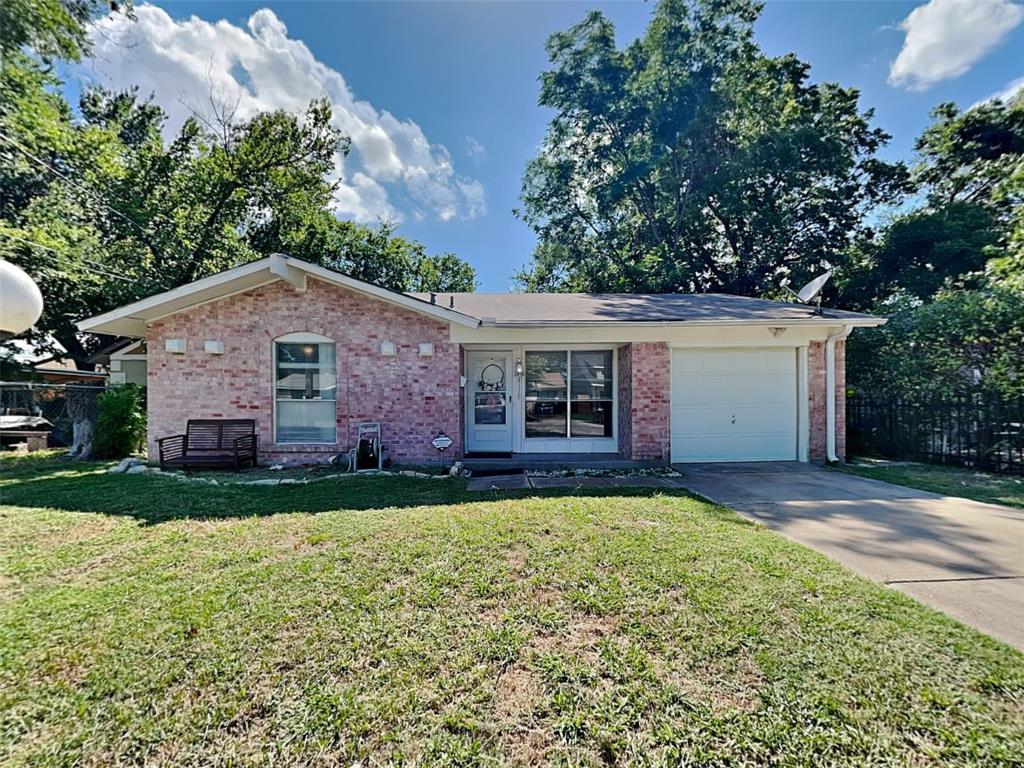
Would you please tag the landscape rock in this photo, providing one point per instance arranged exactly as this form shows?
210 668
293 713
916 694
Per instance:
125 465
142 469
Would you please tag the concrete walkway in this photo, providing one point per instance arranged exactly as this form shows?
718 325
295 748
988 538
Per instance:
520 481
964 557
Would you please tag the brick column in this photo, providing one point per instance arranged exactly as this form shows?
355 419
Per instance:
644 401
817 404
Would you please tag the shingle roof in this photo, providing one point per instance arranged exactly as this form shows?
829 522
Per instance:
584 308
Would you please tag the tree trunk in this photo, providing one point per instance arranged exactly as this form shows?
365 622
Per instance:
83 408
67 335
81 446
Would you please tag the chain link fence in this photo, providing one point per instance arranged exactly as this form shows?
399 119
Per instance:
33 407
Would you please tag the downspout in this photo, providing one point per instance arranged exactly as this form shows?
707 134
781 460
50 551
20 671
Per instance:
830 391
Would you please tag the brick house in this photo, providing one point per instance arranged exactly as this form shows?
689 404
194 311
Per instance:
311 353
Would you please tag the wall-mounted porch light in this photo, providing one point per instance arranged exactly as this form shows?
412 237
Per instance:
519 366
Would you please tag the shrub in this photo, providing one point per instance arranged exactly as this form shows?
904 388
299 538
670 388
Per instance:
121 425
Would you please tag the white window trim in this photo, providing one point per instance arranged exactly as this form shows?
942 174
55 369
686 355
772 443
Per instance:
302 337
572 444
523 444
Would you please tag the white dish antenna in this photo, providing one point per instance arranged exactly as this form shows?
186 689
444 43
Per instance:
811 293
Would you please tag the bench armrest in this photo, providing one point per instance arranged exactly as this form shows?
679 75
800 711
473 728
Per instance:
172 447
246 441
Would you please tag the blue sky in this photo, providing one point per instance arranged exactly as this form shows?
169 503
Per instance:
443 96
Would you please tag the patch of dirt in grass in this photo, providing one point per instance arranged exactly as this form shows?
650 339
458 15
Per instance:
527 746
584 632
723 689
546 595
589 629
88 527
515 692
82 571
516 557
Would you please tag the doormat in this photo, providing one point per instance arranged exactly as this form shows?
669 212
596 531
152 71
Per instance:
498 472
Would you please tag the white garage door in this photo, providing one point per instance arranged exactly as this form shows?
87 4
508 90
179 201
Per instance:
734 405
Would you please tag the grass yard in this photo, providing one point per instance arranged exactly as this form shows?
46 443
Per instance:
949 481
398 621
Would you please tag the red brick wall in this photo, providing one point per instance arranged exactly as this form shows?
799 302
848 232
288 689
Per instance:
413 397
817 404
644 400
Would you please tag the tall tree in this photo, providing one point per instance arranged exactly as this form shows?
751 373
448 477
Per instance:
691 161
101 210
968 226
950 274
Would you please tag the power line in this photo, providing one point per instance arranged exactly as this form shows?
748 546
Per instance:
93 264
96 196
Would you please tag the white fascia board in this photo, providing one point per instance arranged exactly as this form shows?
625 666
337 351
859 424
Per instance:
131 319
293 276
139 310
392 297
866 322
122 353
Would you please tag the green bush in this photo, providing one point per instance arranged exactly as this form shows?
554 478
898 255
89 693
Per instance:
121 425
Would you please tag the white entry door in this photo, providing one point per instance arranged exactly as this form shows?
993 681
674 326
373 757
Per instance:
734 404
489 402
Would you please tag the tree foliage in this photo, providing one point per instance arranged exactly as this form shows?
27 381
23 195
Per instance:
950 274
969 225
962 342
692 161
102 209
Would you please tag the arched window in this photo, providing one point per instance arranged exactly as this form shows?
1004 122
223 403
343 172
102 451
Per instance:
305 389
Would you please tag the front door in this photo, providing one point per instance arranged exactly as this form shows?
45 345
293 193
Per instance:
488 402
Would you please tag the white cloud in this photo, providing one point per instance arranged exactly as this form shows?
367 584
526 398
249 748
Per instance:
189 65
475 149
944 38
1012 89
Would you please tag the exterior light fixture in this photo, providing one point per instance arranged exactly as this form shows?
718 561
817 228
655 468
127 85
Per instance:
21 303
519 366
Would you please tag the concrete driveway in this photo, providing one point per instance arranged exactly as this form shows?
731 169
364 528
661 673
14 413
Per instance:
963 557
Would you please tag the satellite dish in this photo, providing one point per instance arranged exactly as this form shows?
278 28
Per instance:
811 293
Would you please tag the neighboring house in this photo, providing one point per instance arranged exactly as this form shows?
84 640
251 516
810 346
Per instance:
125 361
51 367
311 353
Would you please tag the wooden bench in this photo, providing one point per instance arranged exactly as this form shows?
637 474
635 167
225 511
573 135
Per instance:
211 443
34 439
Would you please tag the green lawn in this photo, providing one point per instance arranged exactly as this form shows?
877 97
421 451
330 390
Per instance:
949 481
399 621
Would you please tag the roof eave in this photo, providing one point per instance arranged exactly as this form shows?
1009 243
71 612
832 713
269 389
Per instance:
132 319
859 322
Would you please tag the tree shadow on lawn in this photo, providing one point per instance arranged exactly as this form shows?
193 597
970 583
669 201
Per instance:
154 499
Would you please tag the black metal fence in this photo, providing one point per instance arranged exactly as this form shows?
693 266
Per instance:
48 401
981 433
